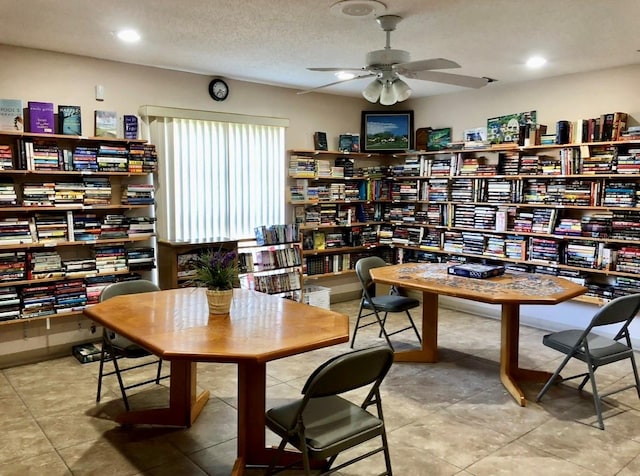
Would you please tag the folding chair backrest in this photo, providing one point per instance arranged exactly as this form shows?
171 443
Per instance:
363 266
349 371
622 309
128 287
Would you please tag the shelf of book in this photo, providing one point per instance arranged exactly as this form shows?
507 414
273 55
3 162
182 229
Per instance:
76 214
272 262
578 204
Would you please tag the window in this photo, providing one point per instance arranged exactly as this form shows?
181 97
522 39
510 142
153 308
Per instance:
218 176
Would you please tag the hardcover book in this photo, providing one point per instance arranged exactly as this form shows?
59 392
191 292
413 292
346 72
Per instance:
11 118
130 123
320 140
475 270
41 117
106 124
70 120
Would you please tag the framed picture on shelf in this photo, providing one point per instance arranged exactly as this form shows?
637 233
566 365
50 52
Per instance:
507 128
439 138
387 131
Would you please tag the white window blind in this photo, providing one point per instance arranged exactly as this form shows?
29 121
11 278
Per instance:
217 178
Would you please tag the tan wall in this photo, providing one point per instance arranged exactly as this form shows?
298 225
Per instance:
570 97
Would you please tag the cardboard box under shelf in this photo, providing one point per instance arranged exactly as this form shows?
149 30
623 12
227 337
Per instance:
317 296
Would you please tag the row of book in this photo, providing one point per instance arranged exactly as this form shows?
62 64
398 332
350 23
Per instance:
91 191
40 117
272 283
553 191
266 260
56 297
73 226
276 234
44 155
37 265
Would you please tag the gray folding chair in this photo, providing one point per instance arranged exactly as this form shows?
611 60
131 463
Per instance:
322 424
116 347
595 350
380 304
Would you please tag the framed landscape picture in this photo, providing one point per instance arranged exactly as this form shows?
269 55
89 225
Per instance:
439 138
387 132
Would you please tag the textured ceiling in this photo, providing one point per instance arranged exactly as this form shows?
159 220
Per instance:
274 41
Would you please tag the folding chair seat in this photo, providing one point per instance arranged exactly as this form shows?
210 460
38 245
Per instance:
595 350
322 424
116 347
377 305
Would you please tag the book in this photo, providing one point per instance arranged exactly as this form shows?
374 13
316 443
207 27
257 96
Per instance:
11 118
320 141
41 117
130 126
106 124
475 270
345 142
69 120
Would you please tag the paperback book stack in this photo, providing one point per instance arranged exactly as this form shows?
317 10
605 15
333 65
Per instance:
95 285
140 258
136 158
85 158
69 194
86 227
138 194
114 227
38 194
14 231
13 266
6 157
8 197
111 258
628 260
97 191
51 227
44 156
44 264
9 304
113 158
70 296
150 164
141 226
625 225
38 301
619 194
79 268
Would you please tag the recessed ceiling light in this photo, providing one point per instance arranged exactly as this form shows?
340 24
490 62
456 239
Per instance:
344 75
130 36
536 62
358 8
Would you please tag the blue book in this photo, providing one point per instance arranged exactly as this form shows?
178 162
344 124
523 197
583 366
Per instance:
69 120
130 127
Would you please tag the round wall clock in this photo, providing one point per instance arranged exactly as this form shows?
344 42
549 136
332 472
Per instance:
218 89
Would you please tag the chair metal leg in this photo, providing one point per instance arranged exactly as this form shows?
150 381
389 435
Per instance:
101 368
276 457
635 374
357 326
594 389
553 378
384 323
120 382
159 371
387 457
382 329
413 324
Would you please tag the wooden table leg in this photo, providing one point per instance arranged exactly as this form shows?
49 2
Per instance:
429 350
510 371
184 404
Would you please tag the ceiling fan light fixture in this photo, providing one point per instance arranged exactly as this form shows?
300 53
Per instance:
388 95
357 8
372 92
401 90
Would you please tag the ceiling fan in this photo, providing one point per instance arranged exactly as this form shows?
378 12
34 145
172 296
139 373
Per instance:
387 65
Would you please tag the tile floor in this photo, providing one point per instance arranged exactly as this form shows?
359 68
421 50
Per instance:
449 418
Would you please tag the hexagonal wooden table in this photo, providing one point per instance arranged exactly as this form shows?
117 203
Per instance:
509 290
176 326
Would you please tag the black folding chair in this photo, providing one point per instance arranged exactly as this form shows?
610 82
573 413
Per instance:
595 350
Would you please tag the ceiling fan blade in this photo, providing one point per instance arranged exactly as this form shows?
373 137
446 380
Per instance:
425 65
336 82
448 78
336 69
